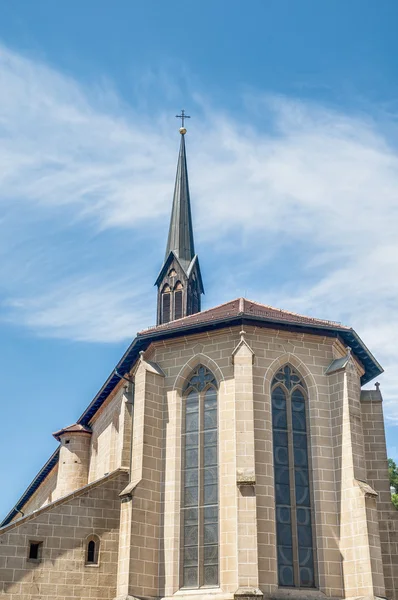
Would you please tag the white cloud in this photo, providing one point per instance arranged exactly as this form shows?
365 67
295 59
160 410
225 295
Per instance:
85 310
75 159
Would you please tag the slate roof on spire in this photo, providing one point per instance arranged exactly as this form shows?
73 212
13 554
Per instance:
180 240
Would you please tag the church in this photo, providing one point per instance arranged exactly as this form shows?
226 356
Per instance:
231 454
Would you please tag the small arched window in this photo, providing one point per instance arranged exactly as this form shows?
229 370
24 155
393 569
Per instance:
200 481
92 550
166 304
178 300
294 515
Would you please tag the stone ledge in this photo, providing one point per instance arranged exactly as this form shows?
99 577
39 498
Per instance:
366 489
128 597
127 492
298 594
248 592
245 477
201 594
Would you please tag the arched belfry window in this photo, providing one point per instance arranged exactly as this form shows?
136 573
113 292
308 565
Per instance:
200 481
178 300
166 304
294 516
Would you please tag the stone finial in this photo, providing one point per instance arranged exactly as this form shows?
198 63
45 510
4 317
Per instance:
242 347
377 386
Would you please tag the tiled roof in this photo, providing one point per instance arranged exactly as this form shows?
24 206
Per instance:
243 307
75 428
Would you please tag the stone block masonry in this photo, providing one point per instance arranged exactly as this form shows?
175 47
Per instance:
62 527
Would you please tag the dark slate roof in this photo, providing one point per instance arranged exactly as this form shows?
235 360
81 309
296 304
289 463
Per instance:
180 239
236 312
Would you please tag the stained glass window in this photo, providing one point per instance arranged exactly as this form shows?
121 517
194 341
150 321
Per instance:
200 481
292 482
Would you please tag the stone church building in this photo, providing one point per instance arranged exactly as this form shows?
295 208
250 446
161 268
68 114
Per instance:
231 454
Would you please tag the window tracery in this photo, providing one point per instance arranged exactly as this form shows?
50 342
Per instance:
294 516
200 481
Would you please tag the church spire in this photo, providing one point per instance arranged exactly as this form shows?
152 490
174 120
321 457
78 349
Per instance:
180 240
180 282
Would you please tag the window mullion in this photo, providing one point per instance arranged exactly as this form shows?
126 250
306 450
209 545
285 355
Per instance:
292 489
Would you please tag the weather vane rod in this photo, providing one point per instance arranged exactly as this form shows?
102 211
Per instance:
182 116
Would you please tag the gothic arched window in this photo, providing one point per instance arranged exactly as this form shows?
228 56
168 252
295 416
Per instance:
178 300
200 481
166 304
292 481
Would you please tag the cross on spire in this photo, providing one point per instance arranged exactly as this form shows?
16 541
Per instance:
182 116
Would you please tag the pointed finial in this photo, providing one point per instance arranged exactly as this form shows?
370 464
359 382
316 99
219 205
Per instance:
182 116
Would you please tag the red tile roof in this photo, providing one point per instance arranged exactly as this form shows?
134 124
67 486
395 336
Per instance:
243 307
75 428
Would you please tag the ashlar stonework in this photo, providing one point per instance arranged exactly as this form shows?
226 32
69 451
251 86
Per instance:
135 510
232 454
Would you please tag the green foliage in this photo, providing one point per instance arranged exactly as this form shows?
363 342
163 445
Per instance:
393 473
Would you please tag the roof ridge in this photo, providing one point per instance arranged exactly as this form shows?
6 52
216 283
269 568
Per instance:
201 312
294 314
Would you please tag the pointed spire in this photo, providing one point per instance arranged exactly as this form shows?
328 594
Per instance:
180 240
179 282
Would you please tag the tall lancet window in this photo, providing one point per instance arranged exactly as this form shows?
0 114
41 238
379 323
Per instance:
166 304
178 300
292 481
200 482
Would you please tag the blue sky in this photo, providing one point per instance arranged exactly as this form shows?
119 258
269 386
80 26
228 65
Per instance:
294 111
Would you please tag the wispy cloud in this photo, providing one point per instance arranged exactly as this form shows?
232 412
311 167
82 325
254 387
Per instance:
86 184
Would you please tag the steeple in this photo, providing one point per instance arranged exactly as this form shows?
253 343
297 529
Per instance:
180 282
180 240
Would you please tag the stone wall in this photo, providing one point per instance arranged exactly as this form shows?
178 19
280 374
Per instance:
330 441
63 527
377 473
73 463
141 549
346 447
107 428
311 355
43 495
